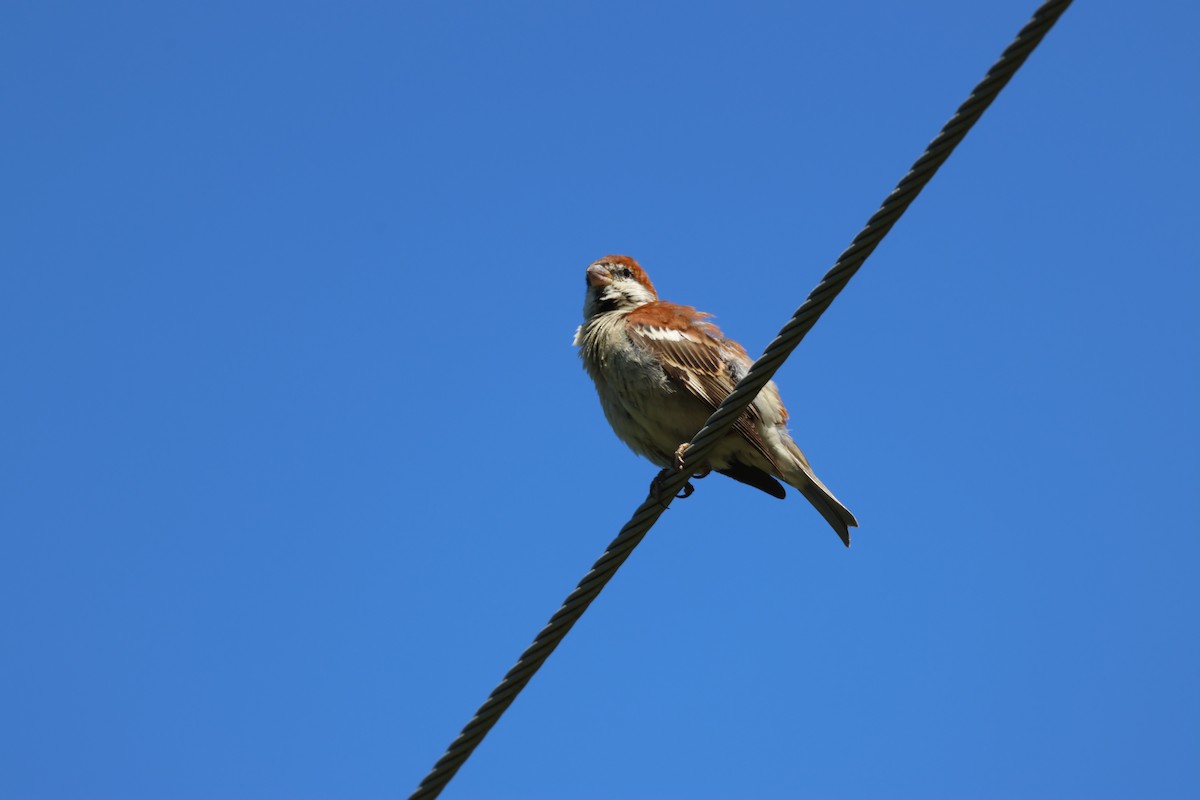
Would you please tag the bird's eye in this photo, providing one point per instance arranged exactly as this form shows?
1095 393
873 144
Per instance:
623 272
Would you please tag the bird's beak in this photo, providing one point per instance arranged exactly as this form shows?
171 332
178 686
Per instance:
598 276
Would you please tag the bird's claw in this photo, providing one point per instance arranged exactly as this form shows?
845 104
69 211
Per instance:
680 452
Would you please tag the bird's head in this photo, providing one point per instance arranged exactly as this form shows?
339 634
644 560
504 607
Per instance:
616 283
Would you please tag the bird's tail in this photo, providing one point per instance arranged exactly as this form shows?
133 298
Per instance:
803 478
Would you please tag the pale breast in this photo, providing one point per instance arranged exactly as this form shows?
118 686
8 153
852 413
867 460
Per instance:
645 408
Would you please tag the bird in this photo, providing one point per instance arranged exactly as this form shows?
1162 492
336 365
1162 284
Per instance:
660 371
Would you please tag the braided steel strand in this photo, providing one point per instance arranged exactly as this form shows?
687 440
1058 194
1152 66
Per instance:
896 203
735 404
547 639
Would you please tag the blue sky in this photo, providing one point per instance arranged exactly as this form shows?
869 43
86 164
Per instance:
297 456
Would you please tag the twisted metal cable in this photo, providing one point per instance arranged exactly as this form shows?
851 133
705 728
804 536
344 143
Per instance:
723 418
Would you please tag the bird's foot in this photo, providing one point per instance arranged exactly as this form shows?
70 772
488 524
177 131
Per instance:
656 487
680 453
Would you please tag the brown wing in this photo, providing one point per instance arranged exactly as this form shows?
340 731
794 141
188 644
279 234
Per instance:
697 358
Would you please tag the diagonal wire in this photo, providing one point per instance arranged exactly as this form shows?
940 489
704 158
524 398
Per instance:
723 418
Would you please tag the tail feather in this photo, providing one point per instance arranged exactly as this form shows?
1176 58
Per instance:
836 514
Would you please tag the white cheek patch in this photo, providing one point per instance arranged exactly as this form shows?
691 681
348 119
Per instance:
664 334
